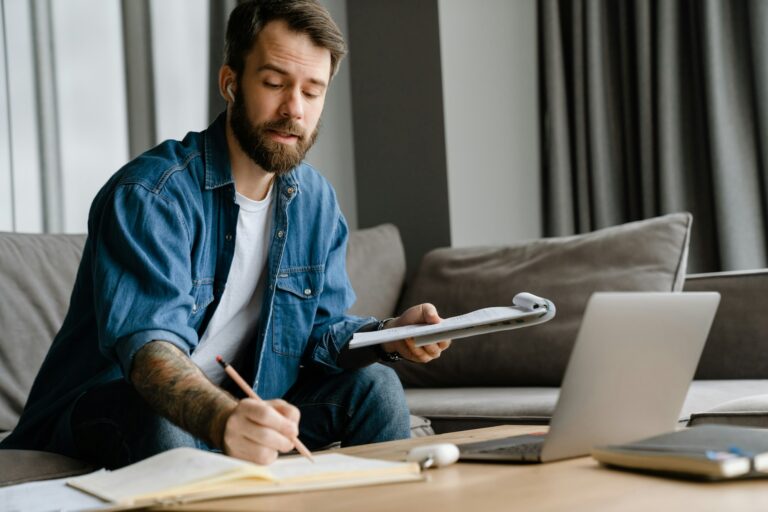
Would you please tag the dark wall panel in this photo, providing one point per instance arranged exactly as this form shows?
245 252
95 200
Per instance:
397 106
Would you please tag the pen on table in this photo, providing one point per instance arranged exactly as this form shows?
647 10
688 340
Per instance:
252 394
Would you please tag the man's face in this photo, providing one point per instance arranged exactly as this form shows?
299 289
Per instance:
279 98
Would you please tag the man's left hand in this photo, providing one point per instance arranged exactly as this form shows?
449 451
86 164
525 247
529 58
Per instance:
421 314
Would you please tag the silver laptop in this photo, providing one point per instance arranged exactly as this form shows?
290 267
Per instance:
627 378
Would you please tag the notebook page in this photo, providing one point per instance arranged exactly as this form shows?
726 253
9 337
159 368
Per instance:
168 472
335 466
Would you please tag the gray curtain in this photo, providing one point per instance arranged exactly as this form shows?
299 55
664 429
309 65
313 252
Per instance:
655 106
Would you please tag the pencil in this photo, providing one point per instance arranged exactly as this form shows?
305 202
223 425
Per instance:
252 394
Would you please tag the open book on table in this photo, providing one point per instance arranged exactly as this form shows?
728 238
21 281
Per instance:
185 475
708 452
527 310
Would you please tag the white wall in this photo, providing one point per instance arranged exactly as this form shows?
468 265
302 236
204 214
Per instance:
333 154
489 66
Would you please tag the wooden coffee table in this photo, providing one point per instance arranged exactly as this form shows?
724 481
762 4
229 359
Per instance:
573 485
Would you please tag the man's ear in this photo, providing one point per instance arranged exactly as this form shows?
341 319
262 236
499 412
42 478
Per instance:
227 80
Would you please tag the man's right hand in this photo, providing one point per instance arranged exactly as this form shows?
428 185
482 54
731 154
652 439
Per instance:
176 388
256 430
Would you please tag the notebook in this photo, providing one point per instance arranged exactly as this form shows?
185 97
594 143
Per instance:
185 475
627 377
710 452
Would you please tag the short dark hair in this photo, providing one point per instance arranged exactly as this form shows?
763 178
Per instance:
304 16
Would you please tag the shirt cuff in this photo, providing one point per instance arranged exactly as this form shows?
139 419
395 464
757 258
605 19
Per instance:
127 347
337 337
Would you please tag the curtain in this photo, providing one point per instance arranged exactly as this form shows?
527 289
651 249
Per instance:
656 106
137 80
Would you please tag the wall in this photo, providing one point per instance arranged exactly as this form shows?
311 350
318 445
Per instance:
398 120
445 116
333 154
490 101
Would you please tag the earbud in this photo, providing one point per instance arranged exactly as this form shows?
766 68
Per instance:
529 301
229 91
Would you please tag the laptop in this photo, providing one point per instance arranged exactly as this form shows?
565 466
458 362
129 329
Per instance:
627 377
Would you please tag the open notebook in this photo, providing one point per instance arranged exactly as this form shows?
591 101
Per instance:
184 475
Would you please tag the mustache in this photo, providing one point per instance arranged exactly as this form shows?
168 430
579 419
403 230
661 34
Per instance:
288 126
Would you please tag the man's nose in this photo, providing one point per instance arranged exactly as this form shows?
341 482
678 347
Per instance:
292 106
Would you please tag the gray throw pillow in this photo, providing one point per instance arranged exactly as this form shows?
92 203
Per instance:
648 255
376 268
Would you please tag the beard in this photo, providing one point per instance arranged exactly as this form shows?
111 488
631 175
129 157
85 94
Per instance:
270 155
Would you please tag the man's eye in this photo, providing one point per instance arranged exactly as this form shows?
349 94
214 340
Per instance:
272 85
311 94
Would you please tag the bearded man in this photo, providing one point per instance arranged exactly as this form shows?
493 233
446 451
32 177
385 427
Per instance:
224 243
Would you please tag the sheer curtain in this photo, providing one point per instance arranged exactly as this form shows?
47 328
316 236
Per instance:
655 106
87 84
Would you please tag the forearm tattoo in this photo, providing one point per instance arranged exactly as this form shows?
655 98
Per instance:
177 389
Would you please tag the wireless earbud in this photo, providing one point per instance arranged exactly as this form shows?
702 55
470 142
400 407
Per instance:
229 91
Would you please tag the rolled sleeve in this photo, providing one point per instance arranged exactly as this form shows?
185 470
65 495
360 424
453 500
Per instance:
142 275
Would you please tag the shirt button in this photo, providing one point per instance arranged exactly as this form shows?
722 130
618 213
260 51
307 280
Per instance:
280 234
194 308
307 291
228 237
290 190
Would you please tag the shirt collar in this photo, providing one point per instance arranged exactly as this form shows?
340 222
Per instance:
218 171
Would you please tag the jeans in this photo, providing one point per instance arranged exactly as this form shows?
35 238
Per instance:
112 426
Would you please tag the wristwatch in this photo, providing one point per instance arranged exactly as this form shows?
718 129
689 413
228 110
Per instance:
383 355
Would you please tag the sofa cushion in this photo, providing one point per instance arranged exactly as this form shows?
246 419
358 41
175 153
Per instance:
376 268
36 277
19 466
750 411
455 409
647 255
738 342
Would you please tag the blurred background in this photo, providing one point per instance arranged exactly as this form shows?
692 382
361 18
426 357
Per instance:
462 122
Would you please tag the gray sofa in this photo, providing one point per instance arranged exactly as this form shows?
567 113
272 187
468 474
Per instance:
510 377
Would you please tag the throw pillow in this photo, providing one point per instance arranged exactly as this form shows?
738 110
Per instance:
647 255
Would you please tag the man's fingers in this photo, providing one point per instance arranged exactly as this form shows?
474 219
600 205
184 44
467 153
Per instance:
287 410
417 353
432 349
266 415
269 438
429 313
444 344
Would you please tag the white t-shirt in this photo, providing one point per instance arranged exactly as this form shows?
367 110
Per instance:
234 321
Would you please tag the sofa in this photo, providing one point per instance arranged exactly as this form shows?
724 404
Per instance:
498 378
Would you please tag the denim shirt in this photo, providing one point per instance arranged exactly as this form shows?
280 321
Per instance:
161 237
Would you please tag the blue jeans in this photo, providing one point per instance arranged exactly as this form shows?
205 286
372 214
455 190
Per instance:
112 426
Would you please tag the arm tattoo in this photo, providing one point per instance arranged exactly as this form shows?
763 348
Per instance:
177 389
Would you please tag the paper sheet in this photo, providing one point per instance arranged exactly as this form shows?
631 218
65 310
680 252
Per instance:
47 496
474 323
169 470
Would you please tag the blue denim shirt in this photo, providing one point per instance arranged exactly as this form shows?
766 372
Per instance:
161 236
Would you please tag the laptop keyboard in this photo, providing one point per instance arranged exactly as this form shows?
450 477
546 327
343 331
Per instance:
526 448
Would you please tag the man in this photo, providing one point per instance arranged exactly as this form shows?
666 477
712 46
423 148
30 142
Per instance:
223 243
